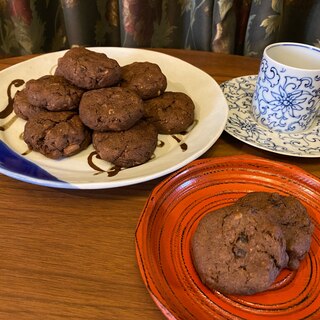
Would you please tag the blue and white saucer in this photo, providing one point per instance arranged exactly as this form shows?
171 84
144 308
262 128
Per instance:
242 125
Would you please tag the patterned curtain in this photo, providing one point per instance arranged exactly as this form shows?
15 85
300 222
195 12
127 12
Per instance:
242 27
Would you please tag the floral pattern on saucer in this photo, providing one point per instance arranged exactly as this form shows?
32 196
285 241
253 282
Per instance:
242 125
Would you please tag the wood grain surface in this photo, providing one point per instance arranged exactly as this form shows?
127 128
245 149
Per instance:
70 254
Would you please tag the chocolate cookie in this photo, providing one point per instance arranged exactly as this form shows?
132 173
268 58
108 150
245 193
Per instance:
127 148
238 251
145 78
56 134
292 217
88 69
110 109
172 112
53 93
23 108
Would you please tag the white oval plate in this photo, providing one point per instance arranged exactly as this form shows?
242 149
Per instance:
84 170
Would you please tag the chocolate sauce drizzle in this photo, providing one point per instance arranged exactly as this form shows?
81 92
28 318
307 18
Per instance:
183 145
113 171
8 124
91 163
26 152
9 108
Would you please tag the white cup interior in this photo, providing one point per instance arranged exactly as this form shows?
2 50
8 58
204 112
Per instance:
295 55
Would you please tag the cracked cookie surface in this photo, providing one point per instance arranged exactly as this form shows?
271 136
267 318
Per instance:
172 112
145 78
88 69
238 251
53 93
23 108
56 134
291 215
127 148
110 109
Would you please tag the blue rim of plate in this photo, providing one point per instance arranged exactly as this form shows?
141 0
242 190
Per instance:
242 125
18 167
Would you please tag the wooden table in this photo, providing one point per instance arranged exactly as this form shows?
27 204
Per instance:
70 254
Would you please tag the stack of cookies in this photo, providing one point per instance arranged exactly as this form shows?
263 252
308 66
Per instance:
241 248
92 99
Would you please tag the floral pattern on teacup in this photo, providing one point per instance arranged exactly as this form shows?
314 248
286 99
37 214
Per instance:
278 99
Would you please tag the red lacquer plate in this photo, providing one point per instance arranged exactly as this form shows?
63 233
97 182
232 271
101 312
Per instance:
170 217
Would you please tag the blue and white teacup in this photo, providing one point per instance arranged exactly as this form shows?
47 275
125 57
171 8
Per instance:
287 93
